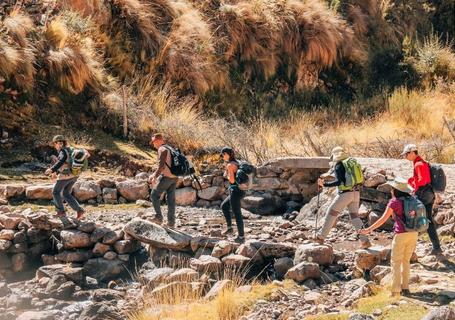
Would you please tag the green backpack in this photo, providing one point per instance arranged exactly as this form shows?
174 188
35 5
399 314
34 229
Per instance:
354 174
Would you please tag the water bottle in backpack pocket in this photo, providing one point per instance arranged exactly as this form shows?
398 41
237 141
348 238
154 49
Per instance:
245 175
415 215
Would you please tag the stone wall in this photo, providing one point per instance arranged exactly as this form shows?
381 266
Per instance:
284 184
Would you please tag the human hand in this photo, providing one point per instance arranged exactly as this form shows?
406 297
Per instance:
54 176
320 183
48 172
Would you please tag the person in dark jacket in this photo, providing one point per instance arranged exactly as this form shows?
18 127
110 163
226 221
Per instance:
421 184
65 179
348 196
232 202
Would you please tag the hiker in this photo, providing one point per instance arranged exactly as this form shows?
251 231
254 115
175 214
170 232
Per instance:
65 178
162 180
404 242
344 167
232 202
421 184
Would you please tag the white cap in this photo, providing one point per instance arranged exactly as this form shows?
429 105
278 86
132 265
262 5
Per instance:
408 148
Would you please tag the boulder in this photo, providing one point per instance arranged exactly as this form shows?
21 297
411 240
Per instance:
203 242
211 193
98 234
133 190
126 246
74 274
5 245
304 270
307 213
374 216
39 192
36 235
206 264
269 250
86 190
143 203
367 259
102 269
273 183
235 261
87 226
373 195
12 191
379 272
386 188
110 195
111 236
173 289
101 310
374 180
10 221
40 315
156 276
223 248
107 295
282 265
7 234
248 250
74 256
264 204
73 239
321 254
186 196
156 235
441 313
183 275
218 287
44 221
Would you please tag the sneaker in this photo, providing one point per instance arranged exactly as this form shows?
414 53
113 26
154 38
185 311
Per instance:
365 244
227 232
239 239
435 252
157 219
405 292
170 225
80 215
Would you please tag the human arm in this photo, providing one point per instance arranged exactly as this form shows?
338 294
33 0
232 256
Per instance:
340 176
162 157
421 175
62 157
385 216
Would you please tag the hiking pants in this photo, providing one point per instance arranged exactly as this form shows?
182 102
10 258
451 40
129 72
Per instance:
62 190
232 203
427 197
167 185
350 200
403 245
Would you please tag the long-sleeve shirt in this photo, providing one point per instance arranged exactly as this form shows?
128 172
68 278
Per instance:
164 163
422 175
61 160
340 176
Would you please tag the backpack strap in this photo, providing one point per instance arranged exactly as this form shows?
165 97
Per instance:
169 149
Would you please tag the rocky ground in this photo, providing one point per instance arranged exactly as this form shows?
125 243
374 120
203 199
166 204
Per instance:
83 274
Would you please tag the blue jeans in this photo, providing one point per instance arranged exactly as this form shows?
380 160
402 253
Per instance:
62 190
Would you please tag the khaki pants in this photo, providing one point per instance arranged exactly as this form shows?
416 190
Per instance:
403 245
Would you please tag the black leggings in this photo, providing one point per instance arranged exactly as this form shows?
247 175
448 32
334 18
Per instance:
426 195
232 202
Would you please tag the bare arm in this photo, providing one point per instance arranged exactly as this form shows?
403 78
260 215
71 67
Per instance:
161 164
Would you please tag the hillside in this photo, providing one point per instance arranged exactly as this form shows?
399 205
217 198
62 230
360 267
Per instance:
278 77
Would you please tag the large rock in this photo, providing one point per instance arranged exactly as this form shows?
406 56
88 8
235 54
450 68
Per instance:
379 272
86 190
10 221
100 249
269 250
219 287
247 250
12 191
320 254
74 274
223 248
282 266
133 190
185 196
101 310
74 256
73 239
308 212
235 261
265 204
211 193
156 276
36 235
375 180
173 289
183 275
110 195
126 246
7 234
44 221
39 192
303 271
156 235
112 236
40 315
102 269
5 245
267 184
441 313
367 259
373 195
206 264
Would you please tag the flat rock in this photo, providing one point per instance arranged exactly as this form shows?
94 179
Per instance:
269 250
367 259
133 190
218 287
39 192
303 271
223 248
311 252
441 313
235 261
74 256
86 190
206 264
126 246
156 235
102 269
73 239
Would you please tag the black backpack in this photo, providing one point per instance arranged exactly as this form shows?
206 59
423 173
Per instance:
438 178
244 175
180 165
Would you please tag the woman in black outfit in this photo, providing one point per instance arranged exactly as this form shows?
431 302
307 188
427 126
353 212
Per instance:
232 202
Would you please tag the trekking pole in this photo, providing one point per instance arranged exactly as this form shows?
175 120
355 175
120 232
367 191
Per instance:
317 212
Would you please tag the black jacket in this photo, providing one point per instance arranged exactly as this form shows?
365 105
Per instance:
340 176
62 157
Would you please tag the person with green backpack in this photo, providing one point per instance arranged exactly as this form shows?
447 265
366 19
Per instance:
348 179
409 215
69 164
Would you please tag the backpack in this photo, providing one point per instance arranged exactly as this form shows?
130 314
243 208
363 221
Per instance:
180 165
354 173
415 215
244 175
77 159
438 178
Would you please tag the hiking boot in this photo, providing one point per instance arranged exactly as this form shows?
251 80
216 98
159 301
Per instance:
157 219
170 225
227 232
435 252
239 239
406 292
61 214
80 215
318 239
365 244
